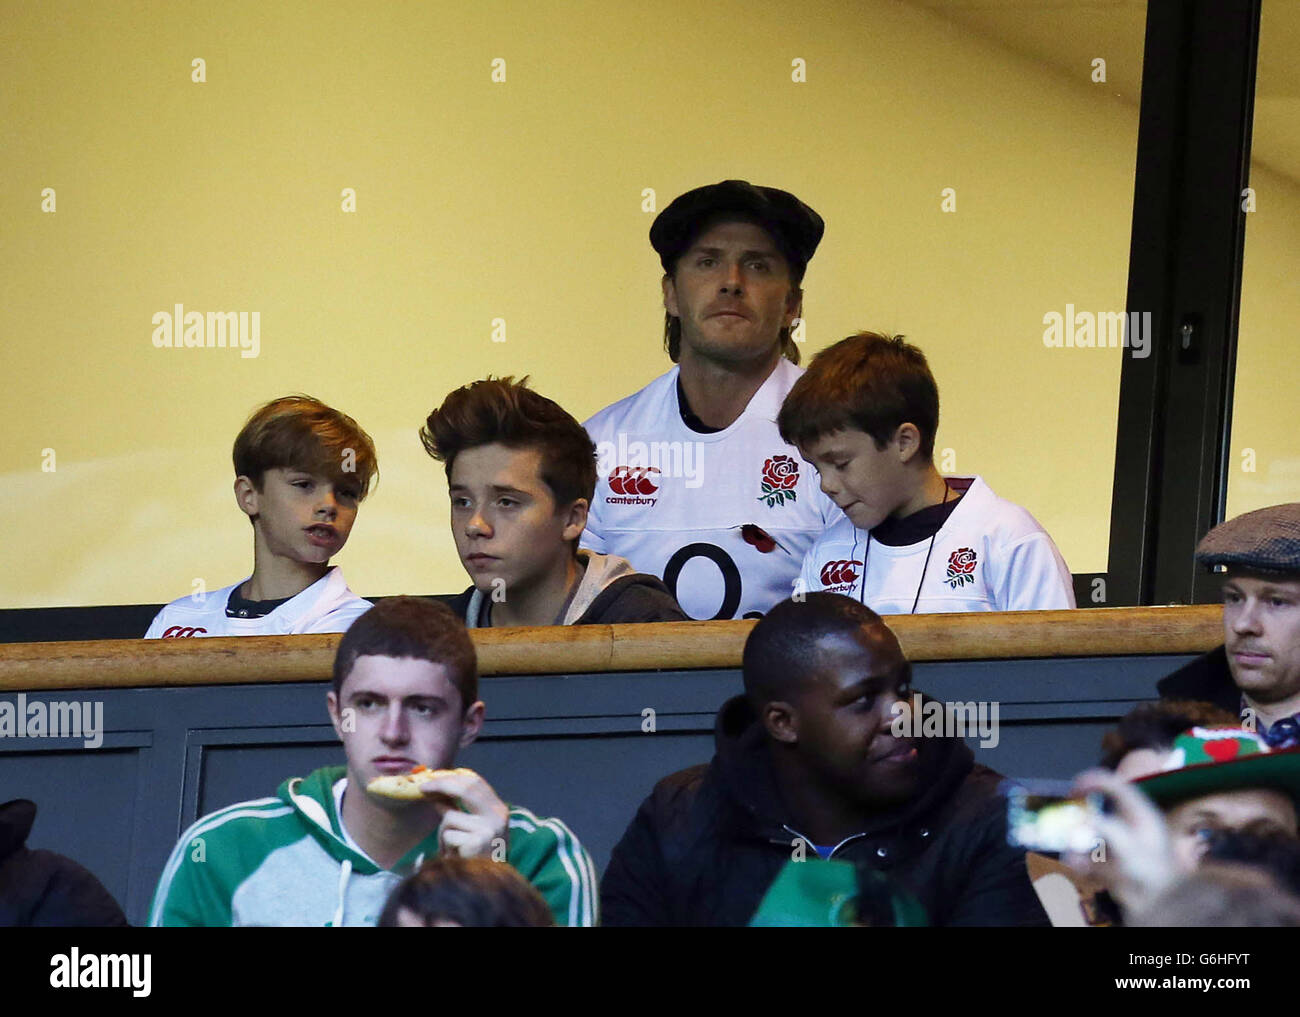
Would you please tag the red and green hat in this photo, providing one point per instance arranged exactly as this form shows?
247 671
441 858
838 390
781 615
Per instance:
1207 760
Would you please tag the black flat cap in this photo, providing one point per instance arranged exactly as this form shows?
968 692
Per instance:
796 229
1266 540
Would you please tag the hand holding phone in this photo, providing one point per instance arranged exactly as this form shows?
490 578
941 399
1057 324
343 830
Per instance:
1139 853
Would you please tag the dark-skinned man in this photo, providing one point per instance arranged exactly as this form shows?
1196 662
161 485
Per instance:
808 765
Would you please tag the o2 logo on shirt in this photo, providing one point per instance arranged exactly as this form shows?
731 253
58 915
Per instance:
732 581
731 588
183 632
839 573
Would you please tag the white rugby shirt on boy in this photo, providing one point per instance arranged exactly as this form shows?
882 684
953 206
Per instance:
327 605
990 555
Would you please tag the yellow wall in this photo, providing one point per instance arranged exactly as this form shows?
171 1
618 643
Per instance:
1265 464
519 200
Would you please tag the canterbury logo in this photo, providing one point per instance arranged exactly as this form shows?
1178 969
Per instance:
836 572
182 632
633 480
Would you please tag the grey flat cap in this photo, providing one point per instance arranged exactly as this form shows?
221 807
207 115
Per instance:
1266 540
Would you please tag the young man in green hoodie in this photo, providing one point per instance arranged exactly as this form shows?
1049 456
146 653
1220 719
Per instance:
325 851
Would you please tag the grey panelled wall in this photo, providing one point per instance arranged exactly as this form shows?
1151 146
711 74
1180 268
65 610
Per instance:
563 745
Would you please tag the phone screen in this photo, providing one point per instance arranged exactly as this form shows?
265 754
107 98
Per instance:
1042 816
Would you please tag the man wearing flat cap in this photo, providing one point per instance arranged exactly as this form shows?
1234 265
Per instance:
695 484
1257 670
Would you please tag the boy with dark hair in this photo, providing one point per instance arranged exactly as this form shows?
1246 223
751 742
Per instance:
865 416
521 472
808 765
327 850
301 470
1139 743
470 893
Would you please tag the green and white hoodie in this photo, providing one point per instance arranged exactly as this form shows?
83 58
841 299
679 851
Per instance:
288 861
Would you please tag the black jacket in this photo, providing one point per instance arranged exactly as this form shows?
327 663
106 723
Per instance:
709 840
40 888
1207 679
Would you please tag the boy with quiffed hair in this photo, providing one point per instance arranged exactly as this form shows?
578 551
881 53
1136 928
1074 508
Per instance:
301 470
865 416
521 473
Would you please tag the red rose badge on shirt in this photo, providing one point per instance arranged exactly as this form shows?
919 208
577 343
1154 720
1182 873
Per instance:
961 567
780 477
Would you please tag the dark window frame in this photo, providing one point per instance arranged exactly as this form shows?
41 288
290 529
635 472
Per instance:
1175 408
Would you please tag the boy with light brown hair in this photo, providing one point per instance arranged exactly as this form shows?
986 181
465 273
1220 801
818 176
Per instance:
301 470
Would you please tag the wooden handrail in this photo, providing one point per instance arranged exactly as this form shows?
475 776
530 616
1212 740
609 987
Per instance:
127 663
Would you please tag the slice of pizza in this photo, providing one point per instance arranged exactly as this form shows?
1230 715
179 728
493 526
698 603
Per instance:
404 786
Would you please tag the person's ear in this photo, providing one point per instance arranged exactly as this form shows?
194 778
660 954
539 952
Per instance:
670 296
908 440
781 721
336 717
472 723
793 306
247 497
575 520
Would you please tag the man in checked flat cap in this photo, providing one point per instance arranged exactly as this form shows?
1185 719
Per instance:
695 484
1257 670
